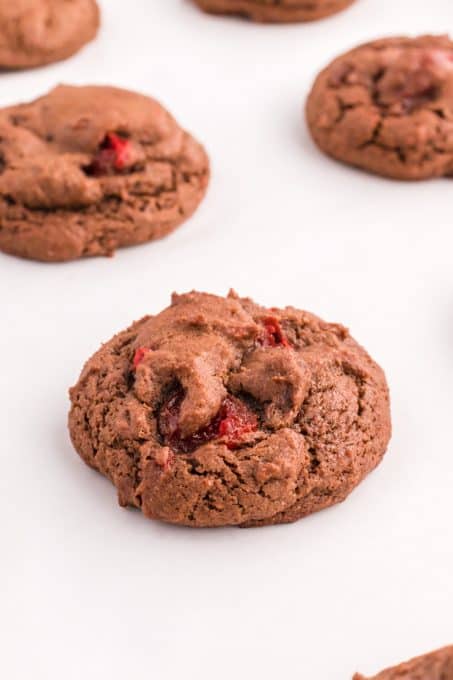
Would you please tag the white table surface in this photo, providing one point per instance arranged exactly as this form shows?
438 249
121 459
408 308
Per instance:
91 591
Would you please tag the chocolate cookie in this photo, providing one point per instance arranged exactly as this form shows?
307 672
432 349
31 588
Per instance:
86 170
387 107
38 32
278 11
220 412
435 666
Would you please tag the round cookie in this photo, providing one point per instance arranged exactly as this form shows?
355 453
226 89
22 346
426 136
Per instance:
220 412
38 32
86 170
435 666
387 107
282 11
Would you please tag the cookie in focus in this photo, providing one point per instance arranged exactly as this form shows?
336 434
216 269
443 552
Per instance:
218 411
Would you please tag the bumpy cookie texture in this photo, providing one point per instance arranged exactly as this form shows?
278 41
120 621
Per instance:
435 666
38 32
220 412
86 170
278 11
387 107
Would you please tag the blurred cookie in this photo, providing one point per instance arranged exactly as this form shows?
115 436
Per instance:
282 11
435 666
387 107
38 32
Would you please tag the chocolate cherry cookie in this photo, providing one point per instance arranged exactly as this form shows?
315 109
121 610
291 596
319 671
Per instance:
280 11
387 107
220 412
38 32
86 170
435 666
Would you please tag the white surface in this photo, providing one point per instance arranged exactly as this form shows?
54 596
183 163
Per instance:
92 591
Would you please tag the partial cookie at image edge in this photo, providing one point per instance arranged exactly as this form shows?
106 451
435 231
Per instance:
44 34
436 665
282 12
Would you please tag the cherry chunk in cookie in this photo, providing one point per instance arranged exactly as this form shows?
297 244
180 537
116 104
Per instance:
218 411
387 107
87 170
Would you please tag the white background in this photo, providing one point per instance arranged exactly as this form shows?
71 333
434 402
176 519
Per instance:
91 591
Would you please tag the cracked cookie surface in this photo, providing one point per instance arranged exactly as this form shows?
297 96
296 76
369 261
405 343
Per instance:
435 666
278 11
86 170
38 32
218 411
387 107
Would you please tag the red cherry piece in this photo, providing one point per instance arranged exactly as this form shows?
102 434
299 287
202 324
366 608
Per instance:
169 416
236 420
273 334
419 89
111 157
139 355
231 423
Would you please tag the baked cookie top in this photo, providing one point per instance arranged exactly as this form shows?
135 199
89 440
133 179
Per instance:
218 411
37 32
275 10
387 107
435 666
84 170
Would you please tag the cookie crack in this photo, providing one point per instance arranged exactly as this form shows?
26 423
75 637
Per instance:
343 110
